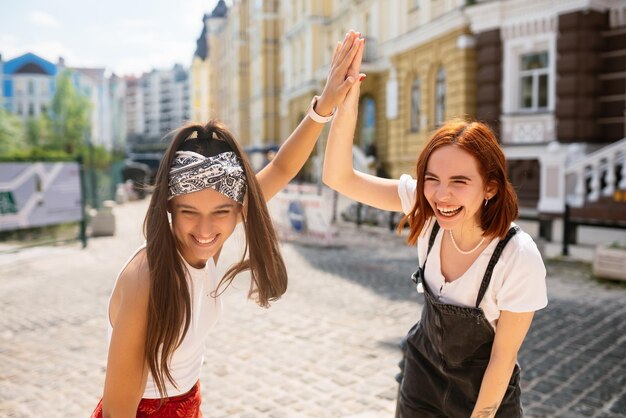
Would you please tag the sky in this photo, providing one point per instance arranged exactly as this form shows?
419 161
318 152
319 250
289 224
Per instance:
127 37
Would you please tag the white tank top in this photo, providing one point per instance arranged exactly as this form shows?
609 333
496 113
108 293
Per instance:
205 311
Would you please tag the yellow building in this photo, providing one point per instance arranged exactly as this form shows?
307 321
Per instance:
420 66
264 34
271 57
306 52
200 72
219 98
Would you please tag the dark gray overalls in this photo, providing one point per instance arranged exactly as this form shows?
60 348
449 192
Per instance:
447 353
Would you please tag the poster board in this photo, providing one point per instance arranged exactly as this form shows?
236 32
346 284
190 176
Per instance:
39 194
301 213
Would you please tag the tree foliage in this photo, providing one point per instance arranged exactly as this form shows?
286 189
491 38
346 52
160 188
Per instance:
11 133
69 116
38 132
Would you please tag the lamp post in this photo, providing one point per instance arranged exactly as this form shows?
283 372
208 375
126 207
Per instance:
92 170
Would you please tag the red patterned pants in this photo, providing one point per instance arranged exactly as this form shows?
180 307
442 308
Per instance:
186 405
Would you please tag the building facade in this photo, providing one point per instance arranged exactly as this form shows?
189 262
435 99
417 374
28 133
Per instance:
420 65
200 77
264 35
245 81
552 77
157 103
547 75
93 84
28 85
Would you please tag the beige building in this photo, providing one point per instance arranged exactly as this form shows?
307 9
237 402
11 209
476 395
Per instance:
268 59
419 60
244 45
306 49
200 73
264 32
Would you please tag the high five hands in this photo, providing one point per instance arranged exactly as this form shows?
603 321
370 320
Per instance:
343 74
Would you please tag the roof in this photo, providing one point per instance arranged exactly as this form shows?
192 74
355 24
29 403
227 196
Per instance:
29 63
202 46
220 10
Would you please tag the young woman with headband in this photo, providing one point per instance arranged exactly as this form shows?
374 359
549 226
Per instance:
166 298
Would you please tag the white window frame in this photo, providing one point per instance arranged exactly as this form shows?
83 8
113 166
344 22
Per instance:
534 75
514 49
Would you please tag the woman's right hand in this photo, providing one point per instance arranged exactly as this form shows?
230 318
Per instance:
338 172
343 72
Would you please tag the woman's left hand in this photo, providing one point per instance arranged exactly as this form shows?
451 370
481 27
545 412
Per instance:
343 73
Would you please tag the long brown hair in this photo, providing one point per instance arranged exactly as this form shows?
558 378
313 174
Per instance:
478 140
169 306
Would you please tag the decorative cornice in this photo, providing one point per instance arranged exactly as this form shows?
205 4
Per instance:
303 24
517 13
421 35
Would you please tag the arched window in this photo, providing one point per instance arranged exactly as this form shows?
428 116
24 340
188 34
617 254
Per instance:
440 98
415 105
367 116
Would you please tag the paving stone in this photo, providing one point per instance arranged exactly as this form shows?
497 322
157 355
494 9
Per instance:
328 348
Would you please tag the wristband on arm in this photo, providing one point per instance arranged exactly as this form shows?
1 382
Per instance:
316 117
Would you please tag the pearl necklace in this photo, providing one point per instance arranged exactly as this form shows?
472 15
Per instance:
460 250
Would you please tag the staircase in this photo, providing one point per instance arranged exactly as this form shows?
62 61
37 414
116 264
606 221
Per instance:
597 192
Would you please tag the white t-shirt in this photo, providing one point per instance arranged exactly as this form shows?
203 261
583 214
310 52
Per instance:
518 282
188 357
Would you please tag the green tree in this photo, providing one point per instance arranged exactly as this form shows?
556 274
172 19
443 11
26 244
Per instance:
69 116
38 131
11 133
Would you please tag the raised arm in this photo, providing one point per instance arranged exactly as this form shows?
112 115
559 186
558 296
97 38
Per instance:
127 370
511 331
339 173
296 149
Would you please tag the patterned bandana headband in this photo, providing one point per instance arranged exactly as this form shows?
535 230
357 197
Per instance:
191 172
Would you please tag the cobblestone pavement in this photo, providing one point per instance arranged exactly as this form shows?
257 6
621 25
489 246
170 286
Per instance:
328 348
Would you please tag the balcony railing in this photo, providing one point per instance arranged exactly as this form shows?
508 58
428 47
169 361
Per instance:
595 174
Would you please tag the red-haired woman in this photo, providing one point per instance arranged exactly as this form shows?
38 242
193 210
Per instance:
166 298
481 276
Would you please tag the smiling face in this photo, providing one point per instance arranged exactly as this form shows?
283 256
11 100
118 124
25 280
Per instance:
455 188
201 222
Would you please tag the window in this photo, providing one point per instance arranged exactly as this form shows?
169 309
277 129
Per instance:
440 98
415 105
534 81
368 124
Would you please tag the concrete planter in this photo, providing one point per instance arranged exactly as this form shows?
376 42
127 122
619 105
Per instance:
610 262
103 221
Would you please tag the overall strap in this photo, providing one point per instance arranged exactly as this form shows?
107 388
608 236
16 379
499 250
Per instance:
433 235
492 263
417 276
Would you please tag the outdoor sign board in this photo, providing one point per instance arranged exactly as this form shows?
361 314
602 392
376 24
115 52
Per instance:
39 194
301 213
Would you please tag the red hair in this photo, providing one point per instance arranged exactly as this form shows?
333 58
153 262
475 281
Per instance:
478 140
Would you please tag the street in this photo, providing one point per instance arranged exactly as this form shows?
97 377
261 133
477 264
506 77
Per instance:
328 348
